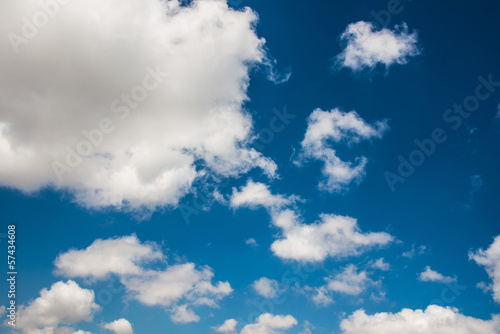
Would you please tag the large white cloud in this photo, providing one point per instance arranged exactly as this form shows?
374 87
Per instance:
63 303
270 324
120 326
121 256
434 320
366 47
176 287
333 236
325 127
490 260
148 93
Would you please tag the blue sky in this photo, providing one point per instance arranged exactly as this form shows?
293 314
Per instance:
258 182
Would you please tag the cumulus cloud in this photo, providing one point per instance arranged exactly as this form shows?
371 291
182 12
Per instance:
336 126
349 281
490 260
252 242
121 256
176 288
367 47
380 264
126 113
256 194
429 275
265 287
63 303
228 327
270 324
434 320
120 326
332 236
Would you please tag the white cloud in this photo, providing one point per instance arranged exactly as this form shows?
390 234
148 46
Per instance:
366 47
349 281
337 126
182 283
270 324
252 242
381 265
256 194
429 275
92 68
2 310
412 252
182 315
175 288
333 236
63 303
120 326
265 287
228 327
490 260
434 320
54 330
121 256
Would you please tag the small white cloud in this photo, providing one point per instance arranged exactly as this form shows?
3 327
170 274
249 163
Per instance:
412 252
380 264
366 47
182 315
337 126
490 260
2 310
434 320
121 256
228 327
120 326
429 275
270 324
252 242
266 287
256 194
349 281
63 303
333 236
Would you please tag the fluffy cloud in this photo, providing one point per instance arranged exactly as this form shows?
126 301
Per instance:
123 112
175 288
63 303
337 126
380 264
228 327
333 236
182 315
349 281
265 287
121 256
490 260
434 320
256 194
429 275
120 326
270 324
366 47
